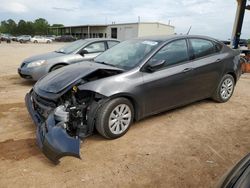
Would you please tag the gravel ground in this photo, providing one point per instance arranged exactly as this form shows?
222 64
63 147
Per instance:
192 146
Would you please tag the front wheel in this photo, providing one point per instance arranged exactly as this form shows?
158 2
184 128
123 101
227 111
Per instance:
114 118
56 67
225 89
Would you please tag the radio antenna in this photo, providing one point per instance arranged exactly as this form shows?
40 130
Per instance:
189 30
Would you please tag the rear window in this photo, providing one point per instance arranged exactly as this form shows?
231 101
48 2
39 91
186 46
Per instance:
112 43
202 47
218 47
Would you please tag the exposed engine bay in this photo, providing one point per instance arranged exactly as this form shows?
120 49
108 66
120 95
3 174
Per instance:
73 111
64 121
75 105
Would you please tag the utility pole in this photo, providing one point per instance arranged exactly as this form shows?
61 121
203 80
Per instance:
238 23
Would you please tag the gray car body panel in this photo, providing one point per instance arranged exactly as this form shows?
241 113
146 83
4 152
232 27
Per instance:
149 92
238 176
140 85
134 83
57 58
62 78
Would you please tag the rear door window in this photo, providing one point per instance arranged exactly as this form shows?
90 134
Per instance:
112 43
218 47
202 47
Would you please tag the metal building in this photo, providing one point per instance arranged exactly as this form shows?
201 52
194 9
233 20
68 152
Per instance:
121 31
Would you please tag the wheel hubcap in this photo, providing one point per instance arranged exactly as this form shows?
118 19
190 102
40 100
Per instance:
119 119
227 88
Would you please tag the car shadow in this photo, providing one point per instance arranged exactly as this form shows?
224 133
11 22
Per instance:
15 79
27 82
97 137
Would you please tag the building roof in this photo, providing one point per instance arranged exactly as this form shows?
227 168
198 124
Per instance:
132 23
92 25
105 25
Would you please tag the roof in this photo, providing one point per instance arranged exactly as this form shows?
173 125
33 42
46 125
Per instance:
99 39
105 25
133 23
93 25
169 37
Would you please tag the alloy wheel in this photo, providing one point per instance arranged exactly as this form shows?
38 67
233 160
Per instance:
227 88
119 119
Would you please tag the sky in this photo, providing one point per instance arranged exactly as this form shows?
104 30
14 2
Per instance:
213 18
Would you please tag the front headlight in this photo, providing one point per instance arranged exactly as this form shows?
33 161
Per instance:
36 63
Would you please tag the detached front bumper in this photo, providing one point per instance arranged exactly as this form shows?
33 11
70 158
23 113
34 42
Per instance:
52 138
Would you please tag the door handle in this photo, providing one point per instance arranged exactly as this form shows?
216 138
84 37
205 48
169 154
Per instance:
218 60
187 69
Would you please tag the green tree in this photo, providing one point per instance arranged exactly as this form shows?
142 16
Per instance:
41 26
21 27
24 28
4 27
57 25
54 31
38 27
11 26
30 28
8 26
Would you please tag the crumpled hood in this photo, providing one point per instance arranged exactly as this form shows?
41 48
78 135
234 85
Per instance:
62 78
45 56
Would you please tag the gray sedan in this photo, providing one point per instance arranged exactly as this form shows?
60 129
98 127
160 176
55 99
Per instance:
133 80
36 67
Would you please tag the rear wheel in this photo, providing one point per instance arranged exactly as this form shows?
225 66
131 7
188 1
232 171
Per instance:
114 118
225 89
56 67
35 41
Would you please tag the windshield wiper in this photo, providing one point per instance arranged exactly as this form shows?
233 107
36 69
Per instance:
102 62
59 51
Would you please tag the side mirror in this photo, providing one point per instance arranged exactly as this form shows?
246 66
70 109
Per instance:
154 65
83 52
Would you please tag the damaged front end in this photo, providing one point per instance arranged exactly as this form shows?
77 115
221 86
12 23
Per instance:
63 113
62 124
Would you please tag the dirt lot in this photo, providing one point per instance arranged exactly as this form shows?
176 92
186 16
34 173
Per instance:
188 147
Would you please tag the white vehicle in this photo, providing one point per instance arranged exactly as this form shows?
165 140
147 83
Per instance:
40 39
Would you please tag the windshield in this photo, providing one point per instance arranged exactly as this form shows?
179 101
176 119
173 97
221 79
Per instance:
70 48
127 54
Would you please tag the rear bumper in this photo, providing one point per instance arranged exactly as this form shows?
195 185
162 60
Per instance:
52 138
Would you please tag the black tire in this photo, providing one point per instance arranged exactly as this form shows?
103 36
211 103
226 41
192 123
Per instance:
21 41
103 116
56 67
35 41
217 96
